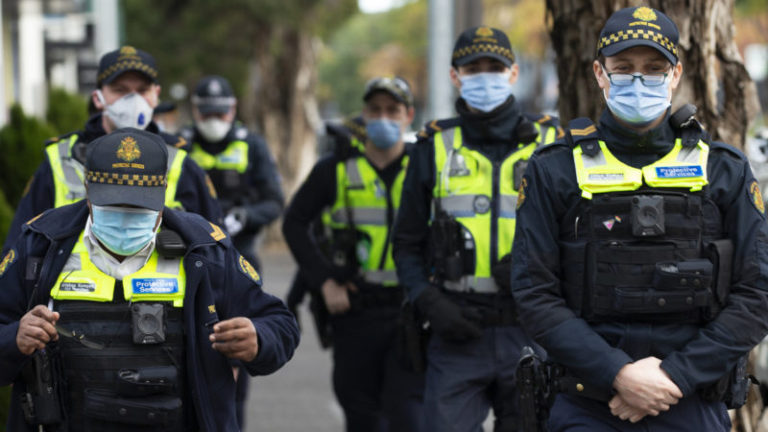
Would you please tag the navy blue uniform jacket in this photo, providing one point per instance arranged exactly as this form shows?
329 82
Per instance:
217 289
693 356
193 191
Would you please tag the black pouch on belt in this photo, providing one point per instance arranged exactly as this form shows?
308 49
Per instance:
145 411
146 381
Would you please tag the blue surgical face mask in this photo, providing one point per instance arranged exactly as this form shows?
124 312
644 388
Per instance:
485 91
638 104
383 133
122 230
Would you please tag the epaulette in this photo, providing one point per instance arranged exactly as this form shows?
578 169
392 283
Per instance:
731 150
583 132
356 126
173 140
436 126
547 120
54 140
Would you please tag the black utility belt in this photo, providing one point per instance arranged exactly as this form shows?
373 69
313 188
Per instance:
377 296
493 310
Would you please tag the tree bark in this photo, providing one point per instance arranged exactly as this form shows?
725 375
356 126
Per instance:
714 77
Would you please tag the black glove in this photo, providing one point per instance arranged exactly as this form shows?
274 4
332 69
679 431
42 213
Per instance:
446 318
502 273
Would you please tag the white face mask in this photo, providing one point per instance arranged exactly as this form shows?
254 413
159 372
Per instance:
213 129
131 110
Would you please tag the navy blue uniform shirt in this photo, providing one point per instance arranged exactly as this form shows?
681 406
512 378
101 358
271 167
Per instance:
218 288
693 356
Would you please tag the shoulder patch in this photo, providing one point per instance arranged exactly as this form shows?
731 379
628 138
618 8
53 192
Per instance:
435 126
9 258
753 190
248 269
217 233
521 193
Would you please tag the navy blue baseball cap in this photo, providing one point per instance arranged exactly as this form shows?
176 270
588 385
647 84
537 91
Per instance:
127 58
639 26
213 95
127 167
483 41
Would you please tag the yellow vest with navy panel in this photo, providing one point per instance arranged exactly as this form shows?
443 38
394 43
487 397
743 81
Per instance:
373 208
637 231
466 186
68 177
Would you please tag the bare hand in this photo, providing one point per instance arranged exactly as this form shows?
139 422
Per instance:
624 411
643 388
336 296
36 329
236 338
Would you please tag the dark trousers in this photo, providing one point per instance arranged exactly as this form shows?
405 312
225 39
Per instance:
578 414
374 388
466 380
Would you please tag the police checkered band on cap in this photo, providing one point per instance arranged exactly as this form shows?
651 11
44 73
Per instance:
646 34
484 48
125 179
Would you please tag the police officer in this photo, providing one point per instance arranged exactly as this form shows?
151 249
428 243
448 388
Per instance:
139 309
238 162
639 258
127 91
461 183
361 193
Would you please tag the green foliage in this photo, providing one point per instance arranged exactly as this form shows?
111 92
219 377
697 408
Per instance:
66 111
201 37
21 144
368 45
6 215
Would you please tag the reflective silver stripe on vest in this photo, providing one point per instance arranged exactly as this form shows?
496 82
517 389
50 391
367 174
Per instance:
508 206
353 174
485 285
593 161
171 157
168 265
361 216
459 205
70 166
380 276
464 205
689 154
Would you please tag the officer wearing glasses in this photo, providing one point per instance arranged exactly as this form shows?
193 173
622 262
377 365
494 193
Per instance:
639 259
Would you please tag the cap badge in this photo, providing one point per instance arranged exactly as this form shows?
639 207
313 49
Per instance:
484 32
644 13
128 150
128 50
214 88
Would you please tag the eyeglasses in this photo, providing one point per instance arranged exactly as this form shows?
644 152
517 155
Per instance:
648 80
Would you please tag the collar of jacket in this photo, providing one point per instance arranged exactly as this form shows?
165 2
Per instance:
621 139
68 221
495 127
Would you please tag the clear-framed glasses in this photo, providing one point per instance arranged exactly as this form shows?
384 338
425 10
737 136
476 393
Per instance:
648 80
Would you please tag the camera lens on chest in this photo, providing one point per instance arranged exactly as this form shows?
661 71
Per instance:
148 323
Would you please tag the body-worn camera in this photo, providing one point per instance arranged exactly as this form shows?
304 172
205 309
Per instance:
148 323
648 216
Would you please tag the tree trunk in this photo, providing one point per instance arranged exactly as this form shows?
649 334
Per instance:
714 77
280 102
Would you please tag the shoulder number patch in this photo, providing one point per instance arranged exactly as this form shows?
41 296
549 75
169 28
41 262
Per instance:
248 269
9 258
756 196
521 193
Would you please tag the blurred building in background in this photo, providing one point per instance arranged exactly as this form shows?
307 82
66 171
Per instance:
52 43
